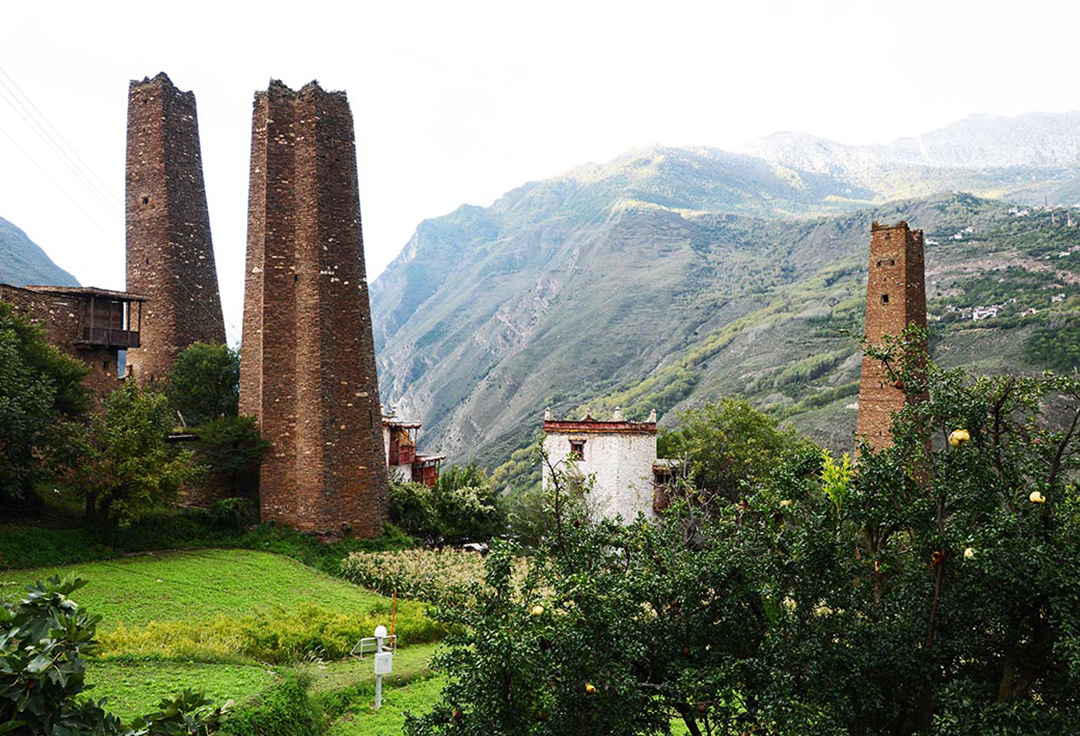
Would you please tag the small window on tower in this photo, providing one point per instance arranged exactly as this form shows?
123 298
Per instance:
884 298
146 200
577 450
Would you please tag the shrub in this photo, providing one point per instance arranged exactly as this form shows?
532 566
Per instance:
463 506
233 514
232 449
283 710
274 636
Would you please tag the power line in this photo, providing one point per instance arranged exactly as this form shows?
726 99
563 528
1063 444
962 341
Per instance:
39 129
104 187
55 183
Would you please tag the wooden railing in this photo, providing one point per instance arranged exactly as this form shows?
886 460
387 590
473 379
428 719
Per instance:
111 338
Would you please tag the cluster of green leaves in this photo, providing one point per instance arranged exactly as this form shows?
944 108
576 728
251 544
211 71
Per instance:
204 383
726 445
284 710
42 404
927 589
129 467
203 389
461 507
43 642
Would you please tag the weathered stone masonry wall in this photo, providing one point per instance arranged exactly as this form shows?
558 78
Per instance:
62 318
895 298
308 359
170 257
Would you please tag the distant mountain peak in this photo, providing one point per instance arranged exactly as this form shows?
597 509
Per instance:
24 262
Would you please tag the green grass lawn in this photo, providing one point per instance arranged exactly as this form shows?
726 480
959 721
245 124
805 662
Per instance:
410 663
197 585
363 720
136 688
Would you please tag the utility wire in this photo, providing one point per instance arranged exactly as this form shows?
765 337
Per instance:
55 183
104 187
38 128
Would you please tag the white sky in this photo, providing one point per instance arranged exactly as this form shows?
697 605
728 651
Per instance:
458 102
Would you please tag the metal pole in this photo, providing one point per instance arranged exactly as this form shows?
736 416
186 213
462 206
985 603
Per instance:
378 691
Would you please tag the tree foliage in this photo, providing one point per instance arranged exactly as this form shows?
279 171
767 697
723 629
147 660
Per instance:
929 588
42 404
461 507
204 383
130 468
43 642
726 444
232 448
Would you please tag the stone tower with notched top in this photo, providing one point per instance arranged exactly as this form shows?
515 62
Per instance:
170 257
895 299
308 358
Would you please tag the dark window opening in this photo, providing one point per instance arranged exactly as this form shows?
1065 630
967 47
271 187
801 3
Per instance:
577 449
884 298
105 365
146 200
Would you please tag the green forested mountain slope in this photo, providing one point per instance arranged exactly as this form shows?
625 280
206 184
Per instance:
668 277
23 262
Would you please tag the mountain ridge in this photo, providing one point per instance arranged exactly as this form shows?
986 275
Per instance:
667 276
22 261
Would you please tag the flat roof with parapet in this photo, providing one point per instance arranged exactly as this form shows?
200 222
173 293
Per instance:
597 426
86 291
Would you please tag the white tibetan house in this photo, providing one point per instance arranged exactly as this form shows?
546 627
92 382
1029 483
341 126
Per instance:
620 455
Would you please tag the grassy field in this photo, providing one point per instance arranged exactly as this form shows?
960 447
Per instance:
140 592
136 688
361 719
196 585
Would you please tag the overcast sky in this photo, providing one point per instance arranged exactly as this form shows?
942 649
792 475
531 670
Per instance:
457 102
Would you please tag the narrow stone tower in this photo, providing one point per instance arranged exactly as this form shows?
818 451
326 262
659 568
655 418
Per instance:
170 258
895 298
308 357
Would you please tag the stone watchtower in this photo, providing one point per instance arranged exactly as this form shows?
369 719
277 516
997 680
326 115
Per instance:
170 258
895 298
308 358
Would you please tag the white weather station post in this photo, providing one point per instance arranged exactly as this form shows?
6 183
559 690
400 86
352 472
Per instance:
383 646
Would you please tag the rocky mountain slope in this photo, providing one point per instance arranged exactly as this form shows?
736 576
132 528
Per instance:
670 276
23 262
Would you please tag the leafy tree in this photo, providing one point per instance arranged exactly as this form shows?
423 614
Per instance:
929 588
232 448
204 383
462 506
43 641
42 404
726 444
130 468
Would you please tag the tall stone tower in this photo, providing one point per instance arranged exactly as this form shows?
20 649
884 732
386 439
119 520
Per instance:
895 298
308 357
170 258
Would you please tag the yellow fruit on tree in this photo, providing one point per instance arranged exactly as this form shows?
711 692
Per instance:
537 610
590 688
1037 497
959 437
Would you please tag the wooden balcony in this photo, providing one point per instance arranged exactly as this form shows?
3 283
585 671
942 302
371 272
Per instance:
110 338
